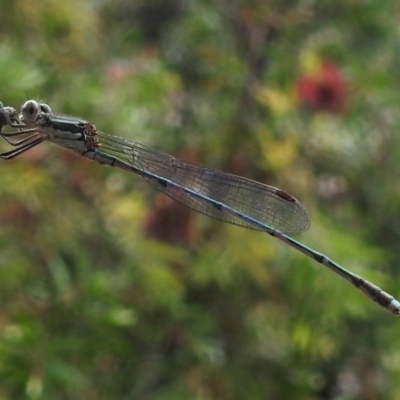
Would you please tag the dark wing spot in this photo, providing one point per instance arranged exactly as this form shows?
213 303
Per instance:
217 205
162 182
285 196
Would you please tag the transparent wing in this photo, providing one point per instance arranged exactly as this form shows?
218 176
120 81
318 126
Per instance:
261 202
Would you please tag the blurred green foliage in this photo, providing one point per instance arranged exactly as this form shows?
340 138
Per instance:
108 290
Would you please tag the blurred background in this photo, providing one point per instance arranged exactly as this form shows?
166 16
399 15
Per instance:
110 290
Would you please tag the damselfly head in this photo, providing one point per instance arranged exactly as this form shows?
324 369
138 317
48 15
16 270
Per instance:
31 109
45 108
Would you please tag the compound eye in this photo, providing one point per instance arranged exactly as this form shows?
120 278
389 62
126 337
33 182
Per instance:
45 108
30 111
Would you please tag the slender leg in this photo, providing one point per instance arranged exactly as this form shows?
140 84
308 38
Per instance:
21 132
33 134
8 155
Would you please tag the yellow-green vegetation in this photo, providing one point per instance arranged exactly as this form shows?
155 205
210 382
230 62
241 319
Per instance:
109 290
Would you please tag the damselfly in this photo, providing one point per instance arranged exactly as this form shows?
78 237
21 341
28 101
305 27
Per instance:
227 197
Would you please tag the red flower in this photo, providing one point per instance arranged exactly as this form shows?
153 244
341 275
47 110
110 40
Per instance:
324 91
